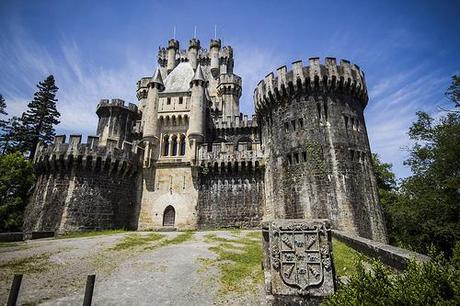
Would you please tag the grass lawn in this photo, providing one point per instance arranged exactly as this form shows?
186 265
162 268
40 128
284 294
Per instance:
89 233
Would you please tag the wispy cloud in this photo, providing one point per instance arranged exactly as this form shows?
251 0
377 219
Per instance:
394 100
81 82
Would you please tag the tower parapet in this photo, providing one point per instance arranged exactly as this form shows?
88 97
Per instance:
116 121
326 77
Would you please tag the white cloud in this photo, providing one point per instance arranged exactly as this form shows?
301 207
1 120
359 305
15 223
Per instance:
81 82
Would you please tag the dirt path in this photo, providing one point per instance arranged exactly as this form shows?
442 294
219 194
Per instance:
158 271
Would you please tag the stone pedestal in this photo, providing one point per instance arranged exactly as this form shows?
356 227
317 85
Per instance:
297 264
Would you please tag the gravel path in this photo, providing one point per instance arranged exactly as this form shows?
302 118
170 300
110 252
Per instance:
164 275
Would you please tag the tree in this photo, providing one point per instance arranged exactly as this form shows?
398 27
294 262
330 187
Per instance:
16 179
388 191
2 111
453 92
41 117
12 137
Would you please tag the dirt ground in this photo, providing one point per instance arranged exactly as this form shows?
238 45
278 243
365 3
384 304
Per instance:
157 271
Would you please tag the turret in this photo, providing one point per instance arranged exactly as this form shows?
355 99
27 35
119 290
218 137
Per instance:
150 115
173 48
198 106
214 54
115 121
229 88
192 55
150 118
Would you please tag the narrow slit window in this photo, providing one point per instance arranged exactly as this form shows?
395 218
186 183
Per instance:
293 124
296 158
289 159
304 156
346 122
301 123
168 101
181 100
325 111
286 127
318 109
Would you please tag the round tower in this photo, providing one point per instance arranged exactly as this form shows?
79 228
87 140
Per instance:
115 121
173 48
192 55
214 54
196 130
229 89
315 140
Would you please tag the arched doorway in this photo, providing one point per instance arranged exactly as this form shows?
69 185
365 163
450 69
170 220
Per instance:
169 216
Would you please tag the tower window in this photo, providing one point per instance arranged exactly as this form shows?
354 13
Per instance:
165 145
181 100
168 101
286 127
301 122
293 124
304 156
296 158
289 160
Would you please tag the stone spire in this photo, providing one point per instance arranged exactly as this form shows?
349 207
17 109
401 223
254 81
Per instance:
198 74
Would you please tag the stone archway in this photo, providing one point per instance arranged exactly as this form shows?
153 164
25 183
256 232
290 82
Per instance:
169 216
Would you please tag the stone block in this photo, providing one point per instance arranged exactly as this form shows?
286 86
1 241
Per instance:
297 263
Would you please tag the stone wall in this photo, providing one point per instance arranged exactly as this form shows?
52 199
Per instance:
81 200
230 200
318 156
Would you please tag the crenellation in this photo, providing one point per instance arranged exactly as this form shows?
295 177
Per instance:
187 149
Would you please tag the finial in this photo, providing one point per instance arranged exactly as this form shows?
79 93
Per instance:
194 34
215 31
174 32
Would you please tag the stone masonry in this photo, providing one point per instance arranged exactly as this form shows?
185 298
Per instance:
186 157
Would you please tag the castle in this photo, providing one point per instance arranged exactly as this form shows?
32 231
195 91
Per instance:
186 157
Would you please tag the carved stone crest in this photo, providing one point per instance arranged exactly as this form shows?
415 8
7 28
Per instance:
300 257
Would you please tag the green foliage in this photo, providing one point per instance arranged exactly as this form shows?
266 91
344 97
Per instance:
11 138
436 282
2 111
16 179
427 212
453 92
85 234
41 117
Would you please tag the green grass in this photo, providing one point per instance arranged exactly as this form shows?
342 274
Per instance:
239 263
32 264
345 258
182 237
136 240
90 233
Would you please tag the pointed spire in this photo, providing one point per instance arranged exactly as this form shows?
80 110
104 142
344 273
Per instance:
198 74
157 77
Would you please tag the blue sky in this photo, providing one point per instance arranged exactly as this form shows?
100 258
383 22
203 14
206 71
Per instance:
99 49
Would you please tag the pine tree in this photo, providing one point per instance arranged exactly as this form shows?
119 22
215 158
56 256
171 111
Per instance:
12 136
2 111
41 117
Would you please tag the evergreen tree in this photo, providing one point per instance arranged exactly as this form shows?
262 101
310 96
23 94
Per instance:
2 111
12 136
41 117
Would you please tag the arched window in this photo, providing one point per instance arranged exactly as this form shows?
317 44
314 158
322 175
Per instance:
166 145
182 145
174 145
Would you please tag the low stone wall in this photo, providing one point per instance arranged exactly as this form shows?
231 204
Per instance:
10 237
390 255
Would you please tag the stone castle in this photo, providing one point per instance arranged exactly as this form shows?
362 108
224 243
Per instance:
186 157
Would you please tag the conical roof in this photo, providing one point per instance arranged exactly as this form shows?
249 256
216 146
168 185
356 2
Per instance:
198 74
157 77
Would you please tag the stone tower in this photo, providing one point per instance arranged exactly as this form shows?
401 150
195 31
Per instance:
187 158
318 159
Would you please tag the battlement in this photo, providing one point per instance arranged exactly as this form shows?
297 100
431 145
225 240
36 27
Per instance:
329 76
224 157
104 103
235 122
230 79
90 155
142 87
